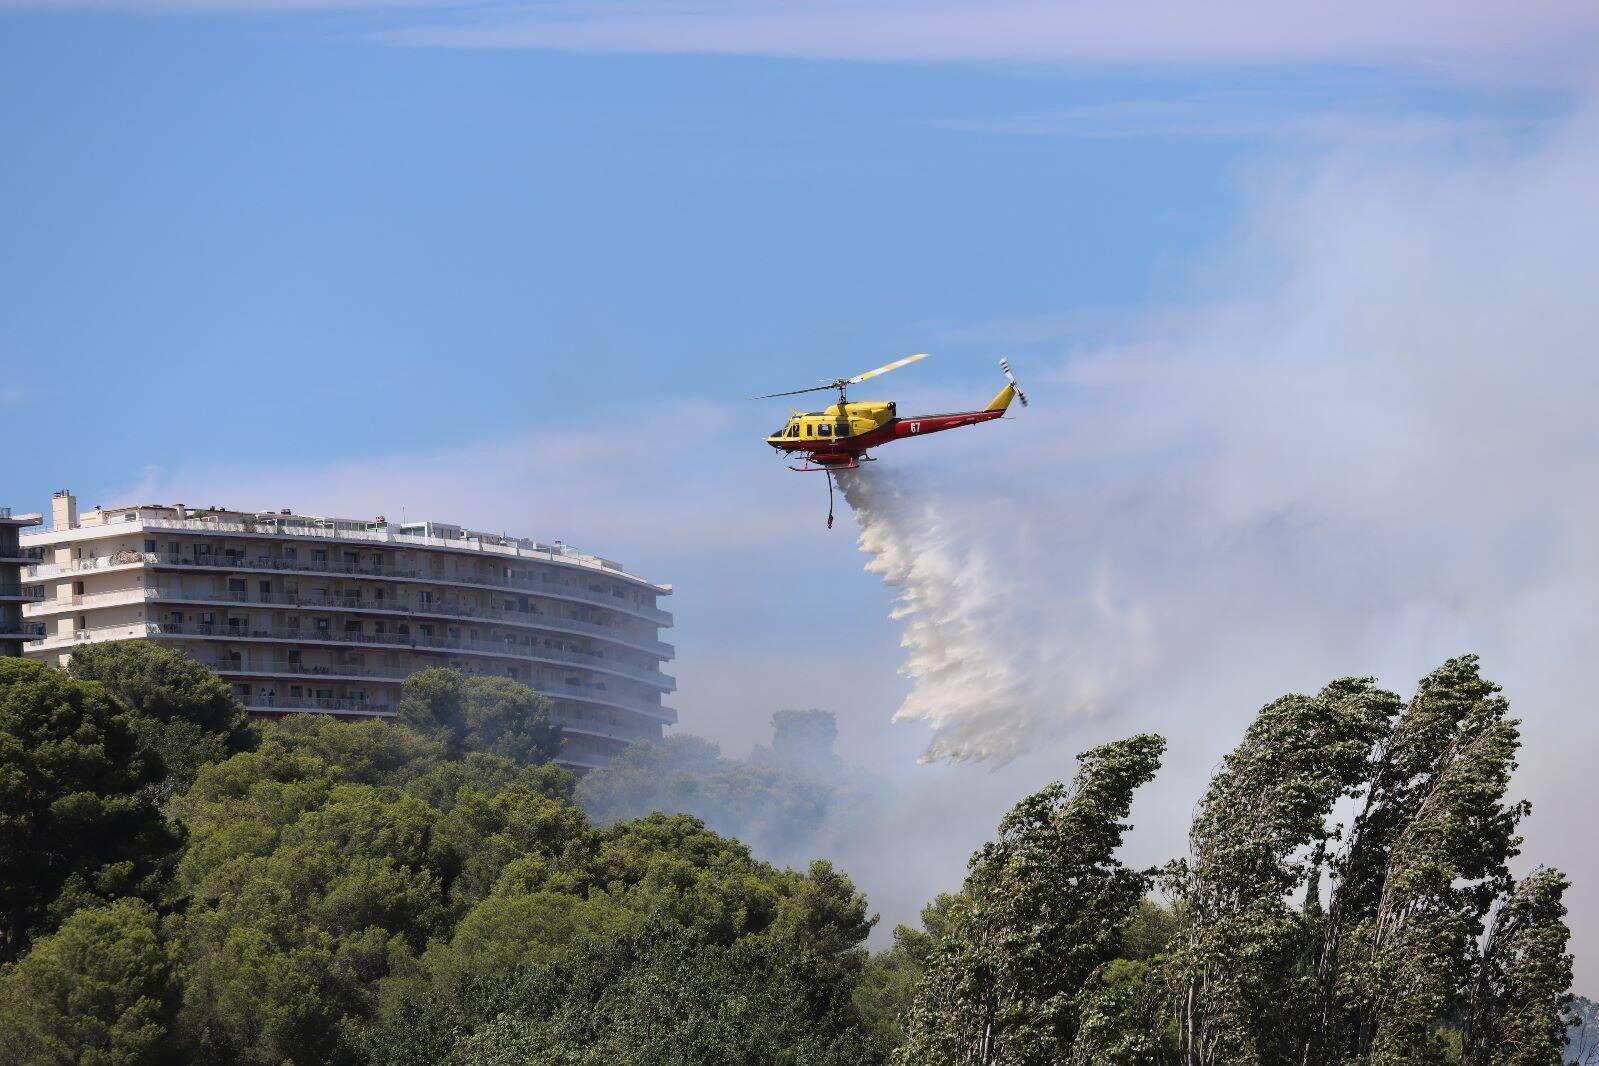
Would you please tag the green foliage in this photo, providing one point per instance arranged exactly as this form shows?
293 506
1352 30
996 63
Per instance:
1426 859
1119 1025
375 893
1263 817
73 823
369 752
478 772
1044 907
182 712
661 997
1519 1005
888 986
494 715
98 992
304 891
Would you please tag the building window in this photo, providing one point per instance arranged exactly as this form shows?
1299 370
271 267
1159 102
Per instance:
149 546
289 551
319 555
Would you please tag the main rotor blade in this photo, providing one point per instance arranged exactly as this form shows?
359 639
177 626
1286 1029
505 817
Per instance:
886 367
796 392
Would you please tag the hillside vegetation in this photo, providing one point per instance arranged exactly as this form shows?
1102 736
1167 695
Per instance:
179 885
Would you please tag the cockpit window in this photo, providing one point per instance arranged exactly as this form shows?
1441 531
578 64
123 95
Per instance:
793 430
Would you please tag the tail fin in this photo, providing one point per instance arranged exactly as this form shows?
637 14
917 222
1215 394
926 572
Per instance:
1002 401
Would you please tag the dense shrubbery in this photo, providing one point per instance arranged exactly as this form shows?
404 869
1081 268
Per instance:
314 891
179 886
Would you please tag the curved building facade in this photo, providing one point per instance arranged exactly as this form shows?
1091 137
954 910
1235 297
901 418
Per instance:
307 614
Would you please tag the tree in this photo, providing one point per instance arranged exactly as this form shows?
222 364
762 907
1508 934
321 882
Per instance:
1519 1004
570 914
888 986
1427 857
486 714
98 992
72 821
1044 906
662 996
1244 951
181 711
369 752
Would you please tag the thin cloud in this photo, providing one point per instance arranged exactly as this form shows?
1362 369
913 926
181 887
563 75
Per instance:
1545 38
1254 119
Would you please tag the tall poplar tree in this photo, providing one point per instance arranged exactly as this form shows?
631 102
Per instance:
1042 909
1519 1004
1244 953
1425 860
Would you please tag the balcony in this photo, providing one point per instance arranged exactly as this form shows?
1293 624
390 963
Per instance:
414 642
581 691
270 703
268 564
399 607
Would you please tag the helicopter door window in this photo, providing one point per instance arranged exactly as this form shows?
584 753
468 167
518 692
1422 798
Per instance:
841 430
825 429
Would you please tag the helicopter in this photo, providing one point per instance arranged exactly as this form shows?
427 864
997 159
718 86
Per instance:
838 437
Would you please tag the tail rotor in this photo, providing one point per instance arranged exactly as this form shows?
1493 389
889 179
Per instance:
1004 364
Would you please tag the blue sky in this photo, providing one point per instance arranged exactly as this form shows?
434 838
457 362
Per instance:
1286 289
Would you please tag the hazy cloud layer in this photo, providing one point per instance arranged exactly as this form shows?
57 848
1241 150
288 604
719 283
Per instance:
1548 38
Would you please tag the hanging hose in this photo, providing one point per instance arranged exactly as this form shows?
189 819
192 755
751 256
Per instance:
829 499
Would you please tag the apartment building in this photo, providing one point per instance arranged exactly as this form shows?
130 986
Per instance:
12 593
329 615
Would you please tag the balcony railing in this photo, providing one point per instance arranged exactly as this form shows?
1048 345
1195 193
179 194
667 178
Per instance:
400 605
558 589
270 701
592 692
414 641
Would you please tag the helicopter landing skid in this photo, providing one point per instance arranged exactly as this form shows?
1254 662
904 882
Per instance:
814 468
